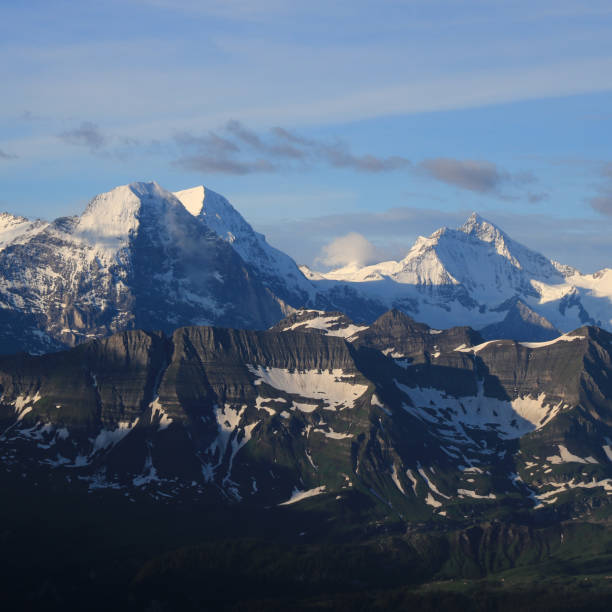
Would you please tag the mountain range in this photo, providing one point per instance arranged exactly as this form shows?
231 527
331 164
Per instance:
140 257
189 420
425 422
319 458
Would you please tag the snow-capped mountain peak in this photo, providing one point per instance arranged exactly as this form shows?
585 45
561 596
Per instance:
14 227
192 199
481 227
111 218
216 211
274 268
472 276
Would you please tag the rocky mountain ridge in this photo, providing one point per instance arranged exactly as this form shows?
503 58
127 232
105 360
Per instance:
426 424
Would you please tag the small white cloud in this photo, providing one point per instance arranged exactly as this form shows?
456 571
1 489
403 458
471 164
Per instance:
353 248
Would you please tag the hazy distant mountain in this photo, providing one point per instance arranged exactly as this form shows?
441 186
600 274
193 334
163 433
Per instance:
474 276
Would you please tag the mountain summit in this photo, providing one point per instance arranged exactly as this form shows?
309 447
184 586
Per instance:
274 268
473 276
136 258
142 257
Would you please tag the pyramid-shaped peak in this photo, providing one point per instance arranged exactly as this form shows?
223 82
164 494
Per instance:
202 201
126 196
192 199
475 220
148 190
112 216
395 318
482 228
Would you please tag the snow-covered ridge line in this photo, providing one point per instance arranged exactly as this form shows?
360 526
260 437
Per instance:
331 325
530 345
564 338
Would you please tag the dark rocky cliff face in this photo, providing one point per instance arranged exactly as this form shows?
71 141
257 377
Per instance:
430 423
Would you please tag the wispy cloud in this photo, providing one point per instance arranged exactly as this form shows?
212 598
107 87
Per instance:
236 149
6 156
212 164
473 175
602 202
87 135
536 198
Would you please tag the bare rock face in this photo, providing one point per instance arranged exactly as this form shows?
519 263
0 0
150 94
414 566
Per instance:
521 323
431 423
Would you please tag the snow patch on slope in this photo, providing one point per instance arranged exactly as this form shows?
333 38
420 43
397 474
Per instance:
565 456
332 388
509 419
299 495
111 437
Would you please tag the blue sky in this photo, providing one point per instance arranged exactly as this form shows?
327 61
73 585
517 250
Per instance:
388 118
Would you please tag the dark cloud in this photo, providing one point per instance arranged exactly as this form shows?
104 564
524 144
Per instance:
5 155
281 143
479 176
474 175
222 165
236 149
209 142
88 135
536 198
284 134
339 156
229 150
245 135
602 202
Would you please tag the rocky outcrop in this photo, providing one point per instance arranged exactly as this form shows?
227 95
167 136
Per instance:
430 423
